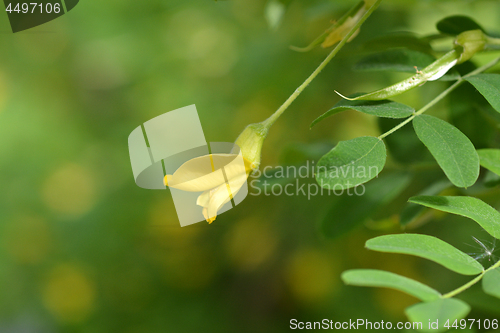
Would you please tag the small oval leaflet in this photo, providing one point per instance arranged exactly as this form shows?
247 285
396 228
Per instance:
440 310
351 163
378 278
491 282
490 159
456 24
383 108
485 215
453 151
427 247
489 86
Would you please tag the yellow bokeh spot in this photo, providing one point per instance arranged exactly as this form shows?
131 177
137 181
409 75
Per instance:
69 294
312 276
27 239
70 190
250 244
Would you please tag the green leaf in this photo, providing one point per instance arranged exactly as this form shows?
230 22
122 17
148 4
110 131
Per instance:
427 247
485 215
490 159
491 282
398 60
454 25
378 278
351 163
384 108
413 210
439 310
453 151
489 86
356 209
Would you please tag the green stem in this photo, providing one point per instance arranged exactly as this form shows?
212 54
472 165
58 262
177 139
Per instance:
269 121
492 40
441 96
425 108
470 283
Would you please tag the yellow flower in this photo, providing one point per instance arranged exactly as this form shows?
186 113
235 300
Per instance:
220 176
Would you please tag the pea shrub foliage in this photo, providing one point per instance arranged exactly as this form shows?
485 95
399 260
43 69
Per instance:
453 150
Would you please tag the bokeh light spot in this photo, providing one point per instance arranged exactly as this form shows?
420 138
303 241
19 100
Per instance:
250 244
312 276
70 190
69 294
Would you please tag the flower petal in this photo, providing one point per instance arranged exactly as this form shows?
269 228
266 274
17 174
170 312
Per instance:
213 200
206 172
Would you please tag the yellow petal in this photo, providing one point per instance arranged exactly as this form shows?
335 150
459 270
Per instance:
204 199
206 172
213 200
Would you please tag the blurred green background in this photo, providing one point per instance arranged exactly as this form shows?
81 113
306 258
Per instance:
83 249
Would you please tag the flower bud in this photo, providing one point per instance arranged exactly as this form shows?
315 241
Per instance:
471 42
250 143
